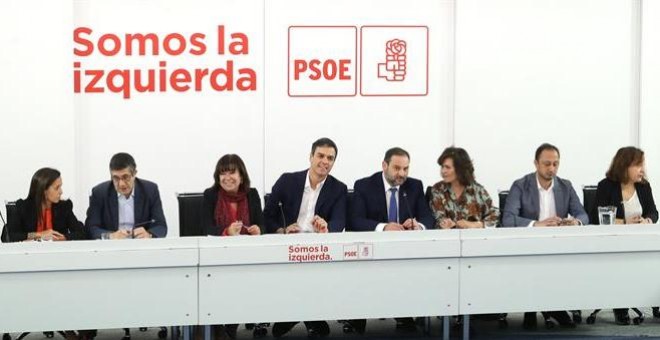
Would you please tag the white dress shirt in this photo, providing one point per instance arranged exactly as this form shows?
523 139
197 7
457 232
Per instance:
308 205
126 207
547 206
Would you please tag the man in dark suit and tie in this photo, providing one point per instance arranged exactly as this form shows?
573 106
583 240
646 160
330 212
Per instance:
541 199
308 201
389 200
125 206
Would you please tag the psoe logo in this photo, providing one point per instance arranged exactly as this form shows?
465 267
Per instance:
394 67
394 60
323 61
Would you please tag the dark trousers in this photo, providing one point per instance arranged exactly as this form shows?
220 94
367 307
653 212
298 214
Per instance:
314 328
620 312
361 324
308 324
561 316
87 334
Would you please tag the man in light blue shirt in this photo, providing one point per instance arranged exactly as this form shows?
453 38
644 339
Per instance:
125 206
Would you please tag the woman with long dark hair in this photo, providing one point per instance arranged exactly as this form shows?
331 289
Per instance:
458 201
231 207
625 187
43 215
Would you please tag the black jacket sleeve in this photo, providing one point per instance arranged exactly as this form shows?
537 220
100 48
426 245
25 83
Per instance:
159 227
67 223
338 217
256 214
208 208
273 210
608 193
360 220
648 204
17 225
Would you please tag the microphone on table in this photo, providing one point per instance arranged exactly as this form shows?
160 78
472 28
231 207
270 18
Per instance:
405 198
141 224
279 204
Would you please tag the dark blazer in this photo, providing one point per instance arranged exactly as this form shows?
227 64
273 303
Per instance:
369 208
103 211
288 191
609 193
522 205
210 202
64 221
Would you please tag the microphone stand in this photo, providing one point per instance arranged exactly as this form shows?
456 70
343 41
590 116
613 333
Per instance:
282 216
405 198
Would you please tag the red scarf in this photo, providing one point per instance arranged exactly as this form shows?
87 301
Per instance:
46 221
226 214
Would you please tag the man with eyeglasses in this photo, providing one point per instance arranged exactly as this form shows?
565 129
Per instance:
125 206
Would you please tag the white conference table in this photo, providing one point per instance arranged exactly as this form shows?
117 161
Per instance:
210 280
98 284
201 281
566 268
361 275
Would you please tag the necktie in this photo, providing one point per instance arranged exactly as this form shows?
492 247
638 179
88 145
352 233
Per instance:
392 213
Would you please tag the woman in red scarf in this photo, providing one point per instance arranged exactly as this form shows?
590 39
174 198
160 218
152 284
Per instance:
232 208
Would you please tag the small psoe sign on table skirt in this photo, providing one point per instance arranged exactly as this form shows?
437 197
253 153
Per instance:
330 252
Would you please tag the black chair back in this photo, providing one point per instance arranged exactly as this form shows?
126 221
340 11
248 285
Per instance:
11 215
190 212
502 201
266 198
589 199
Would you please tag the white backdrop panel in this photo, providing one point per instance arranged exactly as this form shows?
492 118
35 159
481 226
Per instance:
176 138
36 105
529 72
526 72
650 103
363 127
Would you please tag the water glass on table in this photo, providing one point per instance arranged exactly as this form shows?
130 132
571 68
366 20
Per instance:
606 215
